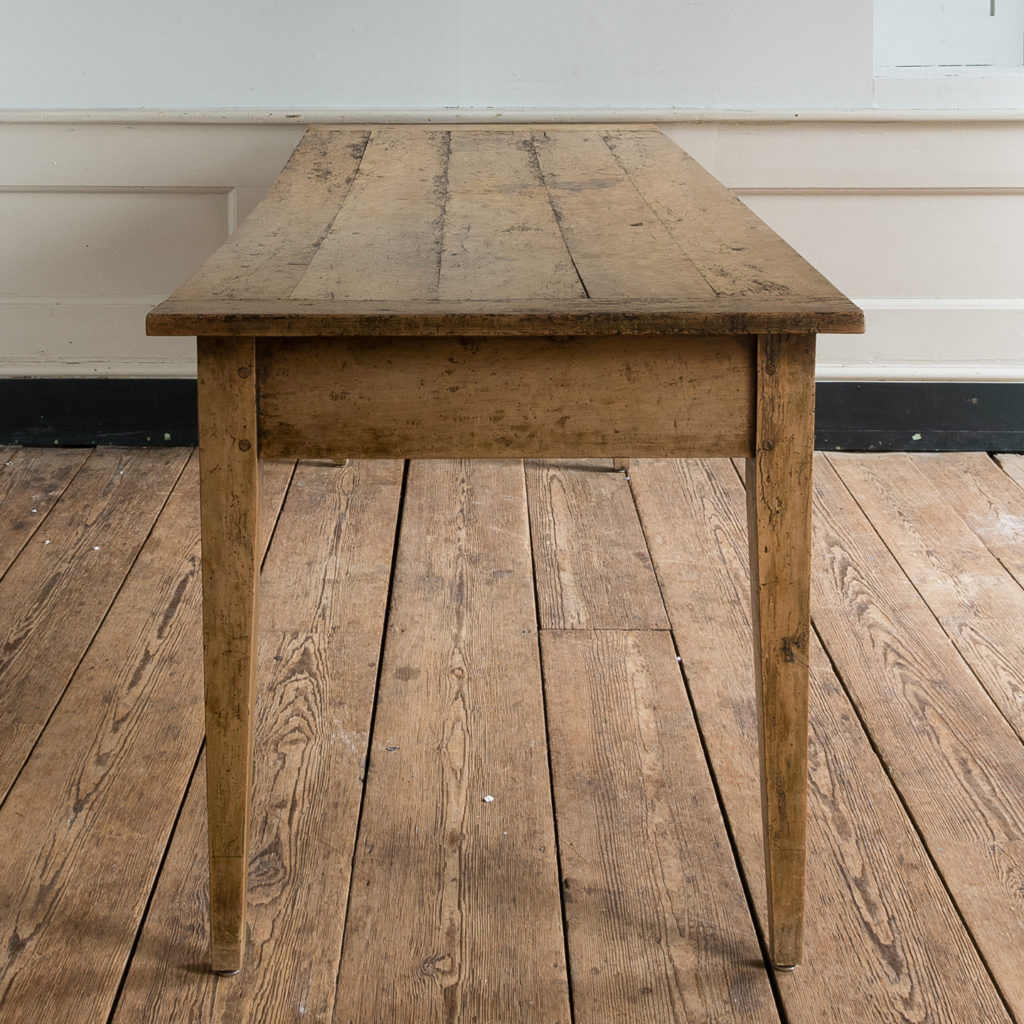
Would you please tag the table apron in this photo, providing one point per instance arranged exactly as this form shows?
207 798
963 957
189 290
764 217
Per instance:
520 397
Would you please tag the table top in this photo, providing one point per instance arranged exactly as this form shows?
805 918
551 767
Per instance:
501 230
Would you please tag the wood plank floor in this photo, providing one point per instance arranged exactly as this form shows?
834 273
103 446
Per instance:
506 745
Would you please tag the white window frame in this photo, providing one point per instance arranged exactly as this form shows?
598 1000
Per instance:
949 34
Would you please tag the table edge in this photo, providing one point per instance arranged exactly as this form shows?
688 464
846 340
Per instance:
305 318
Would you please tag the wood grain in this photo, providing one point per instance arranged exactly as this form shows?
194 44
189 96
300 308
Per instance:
229 489
779 534
477 231
985 497
590 559
953 757
85 826
508 398
978 604
497 127
327 575
418 382
386 241
31 481
459 718
883 942
619 246
736 253
95 819
500 317
658 927
501 235
1013 466
269 252
78 560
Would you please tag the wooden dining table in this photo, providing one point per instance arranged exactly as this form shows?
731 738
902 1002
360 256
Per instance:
505 291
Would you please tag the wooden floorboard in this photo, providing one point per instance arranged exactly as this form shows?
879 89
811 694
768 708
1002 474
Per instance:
988 500
31 482
56 593
920 515
659 929
84 829
955 761
883 942
325 583
592 567
1013 466
616 875
455 912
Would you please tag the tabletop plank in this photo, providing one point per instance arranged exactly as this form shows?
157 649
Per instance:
489 318
502 237
272 248
737 253
484 230
618 243
385 242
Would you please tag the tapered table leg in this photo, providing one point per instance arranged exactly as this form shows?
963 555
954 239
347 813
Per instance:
779 518
229 495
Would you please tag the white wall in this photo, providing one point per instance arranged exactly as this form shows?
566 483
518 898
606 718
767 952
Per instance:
104 211
277 54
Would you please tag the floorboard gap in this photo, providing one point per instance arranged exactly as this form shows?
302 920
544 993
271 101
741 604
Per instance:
547 750
277 518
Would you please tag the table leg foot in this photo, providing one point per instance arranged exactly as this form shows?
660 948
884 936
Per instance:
227 914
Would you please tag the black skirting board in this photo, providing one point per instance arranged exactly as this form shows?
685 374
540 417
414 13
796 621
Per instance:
851 416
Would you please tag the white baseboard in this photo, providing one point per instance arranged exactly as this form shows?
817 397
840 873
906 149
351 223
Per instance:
88 337
946 336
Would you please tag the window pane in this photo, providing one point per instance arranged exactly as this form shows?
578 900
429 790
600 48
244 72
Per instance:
925 33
